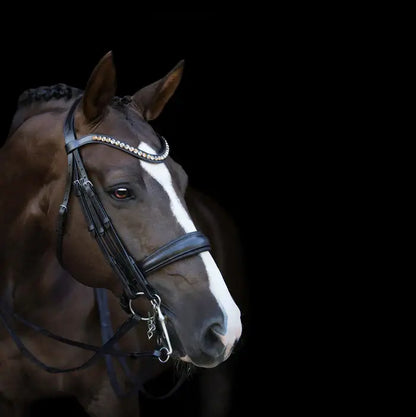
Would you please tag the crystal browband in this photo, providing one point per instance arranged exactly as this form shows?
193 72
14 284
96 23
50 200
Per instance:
135 151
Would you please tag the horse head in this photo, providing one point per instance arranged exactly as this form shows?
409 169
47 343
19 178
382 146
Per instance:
146 204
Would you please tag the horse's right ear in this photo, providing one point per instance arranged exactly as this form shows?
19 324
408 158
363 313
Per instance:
101 88
152 99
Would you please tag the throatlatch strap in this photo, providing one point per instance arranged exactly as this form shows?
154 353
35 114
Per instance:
63 208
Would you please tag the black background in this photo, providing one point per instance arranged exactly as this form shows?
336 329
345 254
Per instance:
213 126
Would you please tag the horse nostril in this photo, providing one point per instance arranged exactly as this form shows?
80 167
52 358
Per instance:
211 342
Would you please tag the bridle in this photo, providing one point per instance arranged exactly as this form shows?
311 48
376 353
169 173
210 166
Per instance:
132 274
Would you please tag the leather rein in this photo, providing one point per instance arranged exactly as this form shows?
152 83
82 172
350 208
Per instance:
132 274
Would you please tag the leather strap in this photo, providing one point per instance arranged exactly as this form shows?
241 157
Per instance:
106 348
106 334
182 247
73 144
69 136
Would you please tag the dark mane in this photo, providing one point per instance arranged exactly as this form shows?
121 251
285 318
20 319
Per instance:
58 91
40 94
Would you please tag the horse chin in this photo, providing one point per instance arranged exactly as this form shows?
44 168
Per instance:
207 362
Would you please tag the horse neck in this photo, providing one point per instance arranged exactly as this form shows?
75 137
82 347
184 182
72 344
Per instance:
33 164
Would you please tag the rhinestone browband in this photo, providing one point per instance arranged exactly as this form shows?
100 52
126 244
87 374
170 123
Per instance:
108 140
133 150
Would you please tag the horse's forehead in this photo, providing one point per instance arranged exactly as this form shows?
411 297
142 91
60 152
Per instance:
128 125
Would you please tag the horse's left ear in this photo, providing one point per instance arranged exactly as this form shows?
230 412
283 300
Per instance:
152 99
101 88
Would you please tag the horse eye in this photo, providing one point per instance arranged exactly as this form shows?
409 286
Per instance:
121 193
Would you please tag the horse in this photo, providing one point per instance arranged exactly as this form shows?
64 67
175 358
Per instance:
106 275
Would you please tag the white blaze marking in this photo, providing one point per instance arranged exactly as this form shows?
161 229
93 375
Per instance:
216 282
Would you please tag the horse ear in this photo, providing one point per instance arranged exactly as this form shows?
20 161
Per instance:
100 89
152 99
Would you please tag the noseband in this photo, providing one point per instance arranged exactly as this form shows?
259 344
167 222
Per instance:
132 274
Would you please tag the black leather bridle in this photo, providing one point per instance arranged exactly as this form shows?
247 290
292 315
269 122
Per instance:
132 274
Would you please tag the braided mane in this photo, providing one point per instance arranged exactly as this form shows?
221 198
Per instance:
39 94
45 94
58 91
